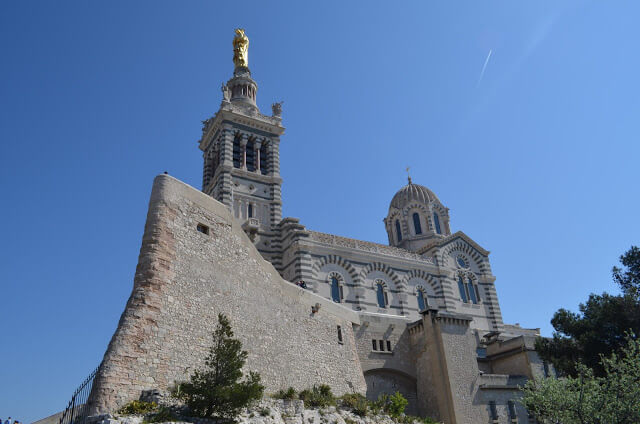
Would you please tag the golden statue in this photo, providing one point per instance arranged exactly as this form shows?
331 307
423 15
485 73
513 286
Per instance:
240 49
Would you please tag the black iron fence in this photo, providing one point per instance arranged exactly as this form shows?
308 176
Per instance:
77 410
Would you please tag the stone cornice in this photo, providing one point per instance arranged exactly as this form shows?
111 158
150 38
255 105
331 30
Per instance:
236 114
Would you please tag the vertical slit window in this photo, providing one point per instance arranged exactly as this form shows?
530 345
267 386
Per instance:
494 410
463 293
374 343
398 230
381 296
389 345
250 211
335 290
416 223
381 344
512 411
339 334
436 223
421 303
472 292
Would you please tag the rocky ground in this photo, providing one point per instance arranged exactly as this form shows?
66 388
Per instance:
269 411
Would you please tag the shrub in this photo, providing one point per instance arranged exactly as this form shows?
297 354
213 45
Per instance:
137 407
163 415
356 402
396 405
288 394
410 419
216 391
318 396
378 406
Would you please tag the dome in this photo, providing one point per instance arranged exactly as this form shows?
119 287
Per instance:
412 192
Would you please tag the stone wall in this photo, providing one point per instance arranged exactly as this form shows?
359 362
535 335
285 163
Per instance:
185 278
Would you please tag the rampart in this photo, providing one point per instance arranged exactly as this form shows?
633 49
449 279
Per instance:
185 277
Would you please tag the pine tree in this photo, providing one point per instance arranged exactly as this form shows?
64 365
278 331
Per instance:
215 391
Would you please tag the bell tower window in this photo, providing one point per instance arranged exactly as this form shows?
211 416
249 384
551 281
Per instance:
416 223
250 161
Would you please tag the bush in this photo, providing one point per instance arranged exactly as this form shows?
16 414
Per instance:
358 403
396 405
216 391
410 419
163 415
288 394
318 396
138 407
378 406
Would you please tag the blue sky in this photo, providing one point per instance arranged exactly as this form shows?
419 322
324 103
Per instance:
537 160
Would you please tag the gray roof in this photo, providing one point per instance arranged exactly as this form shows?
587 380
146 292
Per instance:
411 192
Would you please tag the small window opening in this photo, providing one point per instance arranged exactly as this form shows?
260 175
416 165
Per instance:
250 211
382 296
381 344
512 411
340 335
421 303
472 292
375 344
461 288
336 290
416 223
436 223
203 229
389 345
398 231
494 410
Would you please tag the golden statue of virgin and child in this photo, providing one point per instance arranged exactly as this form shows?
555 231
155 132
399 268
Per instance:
240 49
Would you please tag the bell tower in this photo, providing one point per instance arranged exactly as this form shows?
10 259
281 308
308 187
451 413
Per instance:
241 152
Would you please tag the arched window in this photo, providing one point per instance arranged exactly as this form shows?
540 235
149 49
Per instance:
422 304
250 211
474 295
416 223
383 299
463 291
398 231
436 223
336 290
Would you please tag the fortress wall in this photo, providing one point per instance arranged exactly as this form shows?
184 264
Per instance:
185 278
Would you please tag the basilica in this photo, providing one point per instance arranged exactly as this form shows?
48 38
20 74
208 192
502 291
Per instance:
420 315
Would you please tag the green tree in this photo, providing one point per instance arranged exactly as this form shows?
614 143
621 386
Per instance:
613 398
216 391
600 327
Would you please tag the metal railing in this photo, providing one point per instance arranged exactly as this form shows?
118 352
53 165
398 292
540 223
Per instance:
77 410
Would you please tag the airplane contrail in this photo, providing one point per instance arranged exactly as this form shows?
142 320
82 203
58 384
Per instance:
484 67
